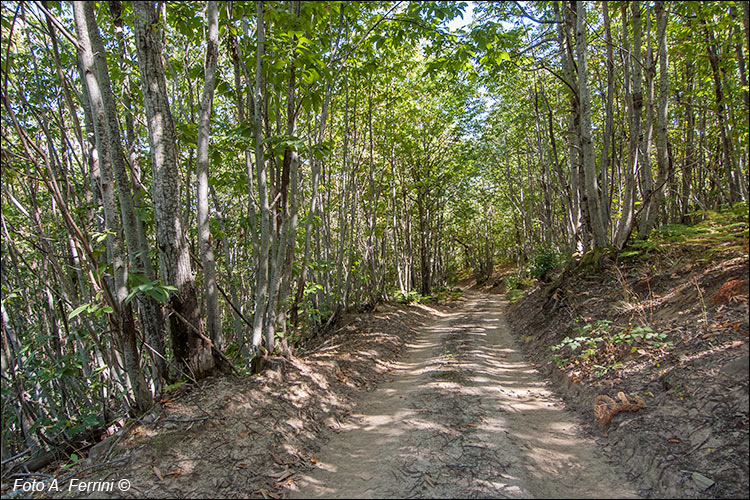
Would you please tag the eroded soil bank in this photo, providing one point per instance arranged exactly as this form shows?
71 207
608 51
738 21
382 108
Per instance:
692 439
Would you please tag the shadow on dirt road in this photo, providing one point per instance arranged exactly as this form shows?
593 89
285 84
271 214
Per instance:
463 415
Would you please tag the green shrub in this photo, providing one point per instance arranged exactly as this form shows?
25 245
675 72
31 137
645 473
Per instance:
514 295
546 259
589 344
406 298
513 281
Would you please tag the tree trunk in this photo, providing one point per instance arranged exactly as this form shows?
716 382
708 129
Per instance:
213 316
687 172
261 290
608 140
727 160
646 177
657 195
598 222
152 315
564 26
184 321
280 277
634 100
109 152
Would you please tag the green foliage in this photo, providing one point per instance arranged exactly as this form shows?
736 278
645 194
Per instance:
441 294
513 281
176 385
640 247
515 284
514 294
546 259
153 289
449 294
406 298
311 312
716 229
95 309
595 344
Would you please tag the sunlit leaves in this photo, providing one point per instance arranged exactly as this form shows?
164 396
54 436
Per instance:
94 309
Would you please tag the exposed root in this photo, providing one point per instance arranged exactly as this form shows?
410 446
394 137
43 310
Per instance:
605 407
729 290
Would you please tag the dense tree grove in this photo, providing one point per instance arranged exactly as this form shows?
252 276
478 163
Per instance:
187 186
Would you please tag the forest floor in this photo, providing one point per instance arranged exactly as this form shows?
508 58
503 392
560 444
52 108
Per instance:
250 437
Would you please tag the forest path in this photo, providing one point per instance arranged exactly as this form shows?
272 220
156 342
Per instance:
463 415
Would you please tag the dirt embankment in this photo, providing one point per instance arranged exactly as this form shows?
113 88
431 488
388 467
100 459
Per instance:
669 326
247 437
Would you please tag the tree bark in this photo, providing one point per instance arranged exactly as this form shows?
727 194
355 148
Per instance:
153 318
657 195
213 316
189 348
108 146
598 222
690 161
608 140
727 160
564 25
261 290
634 100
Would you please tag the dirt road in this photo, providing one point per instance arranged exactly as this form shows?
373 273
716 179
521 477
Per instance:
462 416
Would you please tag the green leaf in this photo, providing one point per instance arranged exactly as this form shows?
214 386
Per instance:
629 253
175 385
158 294
131 295
78 310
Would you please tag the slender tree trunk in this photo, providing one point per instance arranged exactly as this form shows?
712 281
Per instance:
741 61
109 152
312 212
646 176
261 290
634 99
184 320
344 184
424 251
690 160
608 140
564 26
287 226
152 315
598 222
727 160
661 127
240 69
213 316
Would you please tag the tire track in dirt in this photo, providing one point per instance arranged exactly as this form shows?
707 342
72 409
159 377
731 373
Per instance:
463 416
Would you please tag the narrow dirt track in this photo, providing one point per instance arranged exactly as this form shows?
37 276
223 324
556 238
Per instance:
463 416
